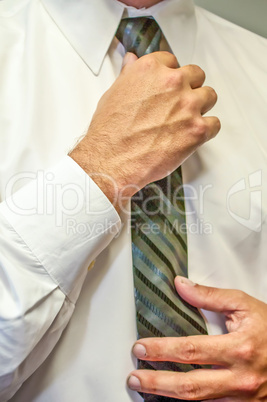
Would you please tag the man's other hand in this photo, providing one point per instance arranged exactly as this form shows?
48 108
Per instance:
146 124
239 358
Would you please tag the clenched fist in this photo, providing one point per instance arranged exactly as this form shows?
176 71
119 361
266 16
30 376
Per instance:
146 124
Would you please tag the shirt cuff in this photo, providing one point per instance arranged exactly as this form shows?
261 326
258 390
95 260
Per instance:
65 220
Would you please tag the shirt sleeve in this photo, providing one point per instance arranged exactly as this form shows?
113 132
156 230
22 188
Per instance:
51 230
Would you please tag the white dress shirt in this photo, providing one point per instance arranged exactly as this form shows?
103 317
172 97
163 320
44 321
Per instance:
57 58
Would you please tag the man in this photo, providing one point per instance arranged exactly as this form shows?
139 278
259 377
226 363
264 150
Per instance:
58 60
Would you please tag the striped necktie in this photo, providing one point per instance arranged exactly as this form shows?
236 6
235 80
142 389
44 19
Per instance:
159 240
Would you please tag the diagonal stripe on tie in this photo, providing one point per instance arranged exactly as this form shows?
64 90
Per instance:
159 238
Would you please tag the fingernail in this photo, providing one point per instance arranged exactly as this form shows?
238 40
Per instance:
186 281
139 351
134 383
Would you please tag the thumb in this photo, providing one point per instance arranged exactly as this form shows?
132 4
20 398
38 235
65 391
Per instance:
129 58
209 298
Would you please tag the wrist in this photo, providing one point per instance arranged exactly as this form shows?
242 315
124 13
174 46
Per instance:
114 188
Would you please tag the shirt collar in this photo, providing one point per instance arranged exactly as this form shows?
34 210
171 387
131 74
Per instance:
90 25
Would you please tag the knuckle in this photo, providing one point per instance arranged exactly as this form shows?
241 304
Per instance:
153 384
250 385
213 94
179 77
197 70
242 295
189 351
173 79
211 294
215 127
172 59
188 390
149 382
246 351
148 62
200 129
157 348
240 298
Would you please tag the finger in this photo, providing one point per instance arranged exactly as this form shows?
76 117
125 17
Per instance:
194 74
209 298
166 58
207 98
194 385
201 349
128 59
212 125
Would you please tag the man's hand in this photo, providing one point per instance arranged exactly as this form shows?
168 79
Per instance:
239 358
146 124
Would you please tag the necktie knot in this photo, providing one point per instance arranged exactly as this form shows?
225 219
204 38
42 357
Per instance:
140 35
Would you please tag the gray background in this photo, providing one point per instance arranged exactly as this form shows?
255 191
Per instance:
250 14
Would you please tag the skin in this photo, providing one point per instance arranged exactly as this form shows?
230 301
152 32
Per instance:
239 358
160 124
145 126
